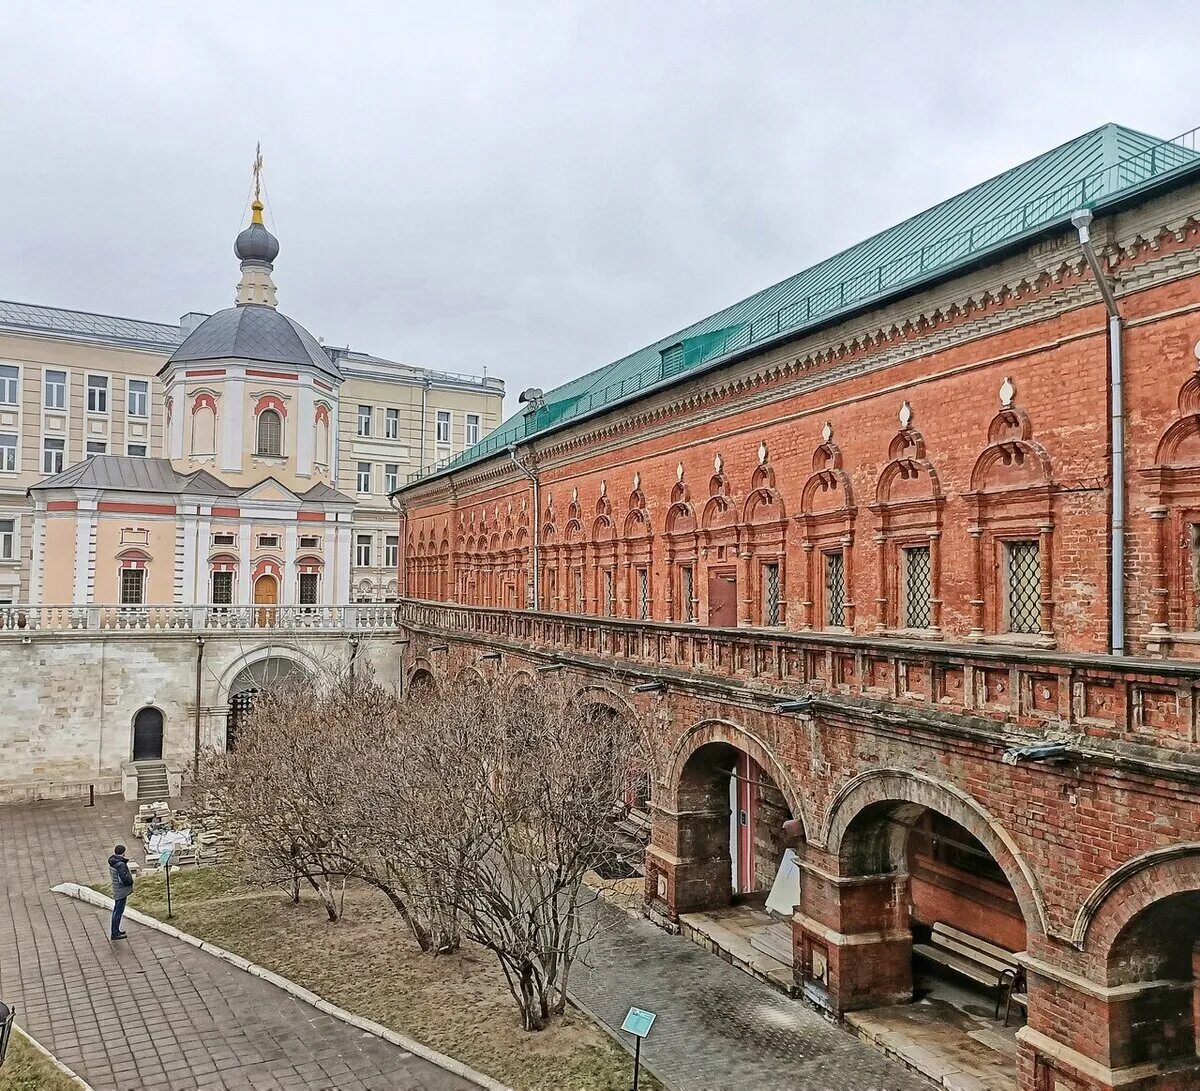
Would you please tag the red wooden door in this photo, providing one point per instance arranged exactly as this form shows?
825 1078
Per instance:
722 597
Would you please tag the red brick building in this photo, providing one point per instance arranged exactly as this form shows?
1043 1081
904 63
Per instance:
885 486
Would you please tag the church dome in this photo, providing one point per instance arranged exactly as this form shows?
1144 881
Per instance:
256 243
253 331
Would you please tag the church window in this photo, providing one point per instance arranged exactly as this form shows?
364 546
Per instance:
917 587
835 589
54 395
97 393
222 588
52 456
270 433
133 586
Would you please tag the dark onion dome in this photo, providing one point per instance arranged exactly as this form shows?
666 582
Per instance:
254 331
256 243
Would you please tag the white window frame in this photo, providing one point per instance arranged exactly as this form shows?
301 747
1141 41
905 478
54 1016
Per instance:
474 429
364 420
269 540
10 385
141 601
64 389
62 456
89 390
391 551
443 416
391 477
129 450
310 541
10 532
359 478
391 424
362 549
143 394
230 534
90 443
10 454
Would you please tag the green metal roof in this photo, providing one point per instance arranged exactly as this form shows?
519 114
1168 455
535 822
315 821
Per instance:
1099 168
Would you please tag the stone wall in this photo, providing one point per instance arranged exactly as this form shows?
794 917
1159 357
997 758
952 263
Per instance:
67 700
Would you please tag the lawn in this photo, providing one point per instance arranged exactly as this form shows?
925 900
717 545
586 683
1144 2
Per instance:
25 1069
369 964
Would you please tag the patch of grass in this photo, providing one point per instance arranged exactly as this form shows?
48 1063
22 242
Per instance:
25 1069
369 964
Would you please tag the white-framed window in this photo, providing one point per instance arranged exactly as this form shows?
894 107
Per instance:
364 477
391 551
139 398
96 447
391 477
268 541
362 550
52 455
136 450
10 376
310 541
443 426
222 589
308 588
54 390
270 434
133 586
8 539
97 393
391 424
8 452
472 437
364 419
224 539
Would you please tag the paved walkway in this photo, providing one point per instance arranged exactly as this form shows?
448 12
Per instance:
154 1012
718 1027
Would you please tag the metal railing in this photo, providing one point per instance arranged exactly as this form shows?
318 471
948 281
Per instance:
98 618
1092 190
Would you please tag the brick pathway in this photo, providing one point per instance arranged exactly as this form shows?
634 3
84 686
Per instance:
155 1012
718 1027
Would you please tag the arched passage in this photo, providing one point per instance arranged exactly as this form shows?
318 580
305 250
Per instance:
266 672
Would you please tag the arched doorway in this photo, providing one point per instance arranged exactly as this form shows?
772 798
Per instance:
266 598
265 674
148 734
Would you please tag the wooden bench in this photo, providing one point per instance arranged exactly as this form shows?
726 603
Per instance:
980 961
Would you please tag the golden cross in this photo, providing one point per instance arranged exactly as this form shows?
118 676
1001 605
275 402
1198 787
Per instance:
258 163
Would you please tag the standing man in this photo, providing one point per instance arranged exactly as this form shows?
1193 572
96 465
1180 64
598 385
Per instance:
122 886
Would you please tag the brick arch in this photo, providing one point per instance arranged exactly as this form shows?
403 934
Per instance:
470 673
420 666
706 732
602 695
913 792
1139 883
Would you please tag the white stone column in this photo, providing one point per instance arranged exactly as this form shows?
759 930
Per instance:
245 594
232 407
201 587
306 429
187 582
37 546
85 522
288 592
342 591
174 442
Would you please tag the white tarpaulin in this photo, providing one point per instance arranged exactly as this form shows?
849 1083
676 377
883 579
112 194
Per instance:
785 891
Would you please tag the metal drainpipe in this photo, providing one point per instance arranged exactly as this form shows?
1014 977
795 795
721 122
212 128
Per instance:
1081 220
537 531
199 664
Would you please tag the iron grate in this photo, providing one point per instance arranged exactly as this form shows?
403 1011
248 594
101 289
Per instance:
771 596
918 586
835 589
1024 576
643 594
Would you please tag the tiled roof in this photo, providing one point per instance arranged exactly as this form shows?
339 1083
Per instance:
127 332
254 331
321 493
1096 169
127 473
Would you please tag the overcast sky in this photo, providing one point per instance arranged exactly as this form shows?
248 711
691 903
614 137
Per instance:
531 188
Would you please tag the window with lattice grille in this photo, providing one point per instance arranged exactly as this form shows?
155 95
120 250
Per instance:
610 594
578 573
771 594
687 590
133 586
835 589
308 589
222 588
918 587
643 583
1023 578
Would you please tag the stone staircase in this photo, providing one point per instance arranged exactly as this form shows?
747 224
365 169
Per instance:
748 939
152 784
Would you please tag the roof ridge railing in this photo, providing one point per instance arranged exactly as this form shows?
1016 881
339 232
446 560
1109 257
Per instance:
942 254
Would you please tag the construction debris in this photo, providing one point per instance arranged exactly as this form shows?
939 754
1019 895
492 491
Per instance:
197 842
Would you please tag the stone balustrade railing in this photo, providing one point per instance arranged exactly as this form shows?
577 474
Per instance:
1150 702
96 618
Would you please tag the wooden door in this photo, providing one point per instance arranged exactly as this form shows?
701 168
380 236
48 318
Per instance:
722 597
148 735
266 596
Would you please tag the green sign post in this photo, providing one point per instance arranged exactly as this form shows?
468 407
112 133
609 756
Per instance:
638 1023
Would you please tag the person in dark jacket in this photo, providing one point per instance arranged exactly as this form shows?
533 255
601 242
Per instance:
122 887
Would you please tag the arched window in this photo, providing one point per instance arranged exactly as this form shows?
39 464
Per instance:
270 433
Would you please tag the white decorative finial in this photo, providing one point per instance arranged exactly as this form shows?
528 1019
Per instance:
1007 393
1196 350
679 471
827 431
575 493
637 481
603 487
718 463
906 415
762 453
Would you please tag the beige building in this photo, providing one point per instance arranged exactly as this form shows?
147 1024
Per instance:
227 458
